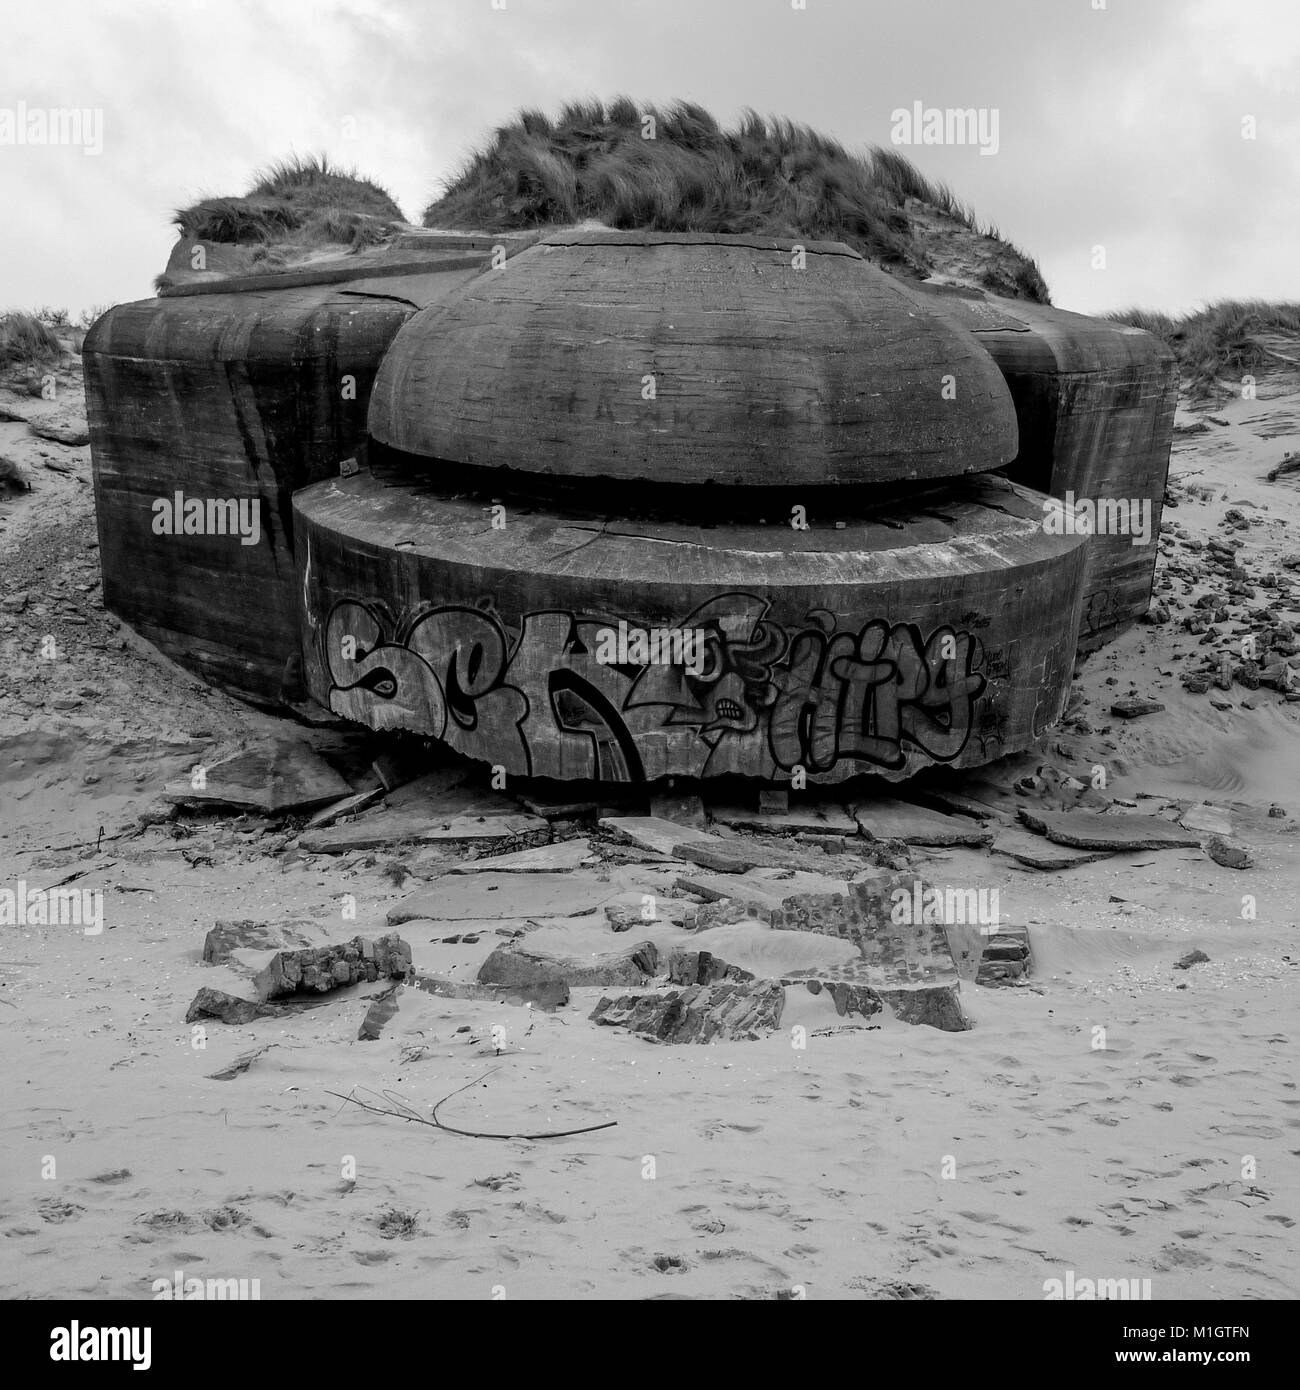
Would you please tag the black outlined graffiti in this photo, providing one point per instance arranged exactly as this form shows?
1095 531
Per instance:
537 702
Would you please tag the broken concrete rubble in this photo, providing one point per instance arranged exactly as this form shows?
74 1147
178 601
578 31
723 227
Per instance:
318 969
492 896
811 817
651 833
701 1014
254 984
383 828
520 965
1089 830
552 858
278 778
702 968
1227 854
226 937
1037 852
886 818
547 995
1135 708
1006 957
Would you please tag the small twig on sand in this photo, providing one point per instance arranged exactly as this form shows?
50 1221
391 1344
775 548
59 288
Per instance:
404 1111
81 873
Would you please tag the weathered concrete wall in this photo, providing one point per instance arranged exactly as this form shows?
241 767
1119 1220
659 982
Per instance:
945 634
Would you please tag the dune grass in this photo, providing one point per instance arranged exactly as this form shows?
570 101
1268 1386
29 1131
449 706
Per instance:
768 175
26 340
304 199
1223 340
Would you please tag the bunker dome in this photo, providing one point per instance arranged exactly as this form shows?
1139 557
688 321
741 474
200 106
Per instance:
685 358
641 504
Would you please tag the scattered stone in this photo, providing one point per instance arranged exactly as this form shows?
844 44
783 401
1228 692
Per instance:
1006 956
1277 812
384 828
1190 959
889 819
490 896
557 808
67 427
1090 830
701 1014
520 965
552 858
228 1008
1135 708
1212 820
1227 854
319 969
650 833
382 1009
226 937
547 995
810 817
1036 852
631 910
392 771
348 806
736 856
702 968
279 778
864 912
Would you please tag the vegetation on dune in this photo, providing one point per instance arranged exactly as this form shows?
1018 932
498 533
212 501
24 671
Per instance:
28 340
769 175
305 200
1227 339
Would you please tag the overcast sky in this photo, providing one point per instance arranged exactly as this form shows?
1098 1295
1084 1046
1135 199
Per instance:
1119 127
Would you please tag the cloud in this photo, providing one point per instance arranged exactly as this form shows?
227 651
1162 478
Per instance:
1118 127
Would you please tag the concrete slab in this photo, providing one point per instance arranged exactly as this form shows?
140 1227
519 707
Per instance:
886 818
553 858
1090 830
808 818
505 897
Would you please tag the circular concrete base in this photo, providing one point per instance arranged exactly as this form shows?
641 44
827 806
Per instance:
604 648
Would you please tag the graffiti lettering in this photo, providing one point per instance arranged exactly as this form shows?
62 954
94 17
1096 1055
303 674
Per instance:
547 700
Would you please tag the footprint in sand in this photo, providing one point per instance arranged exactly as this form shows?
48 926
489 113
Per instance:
54 1210
372 1257
1179 1257
116 1176
709 1226
224 1218
893 1289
